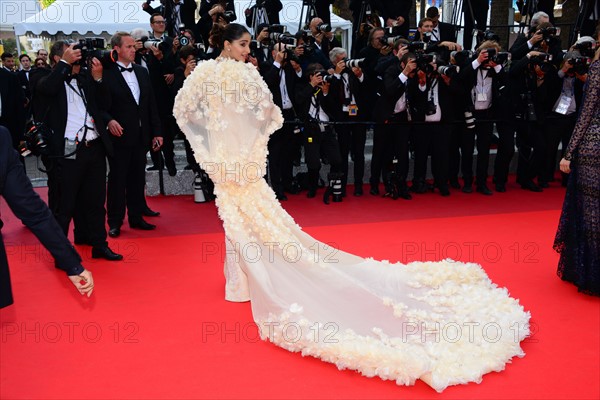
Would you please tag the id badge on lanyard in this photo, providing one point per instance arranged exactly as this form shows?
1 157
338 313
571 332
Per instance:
353 110
563 104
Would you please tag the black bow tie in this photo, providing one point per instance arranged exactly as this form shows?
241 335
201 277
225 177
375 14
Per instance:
123 69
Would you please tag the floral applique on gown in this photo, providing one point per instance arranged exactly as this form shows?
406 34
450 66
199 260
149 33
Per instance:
443 322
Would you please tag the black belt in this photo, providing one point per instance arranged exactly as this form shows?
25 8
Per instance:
93 142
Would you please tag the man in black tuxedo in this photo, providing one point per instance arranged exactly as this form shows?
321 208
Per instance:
8 61
396 14
66 103
23 74
325 41
281 77
352 108
442 31
130 111
24 202
176 14
392 111
12 105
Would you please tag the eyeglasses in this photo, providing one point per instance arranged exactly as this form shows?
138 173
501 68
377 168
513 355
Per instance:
159 22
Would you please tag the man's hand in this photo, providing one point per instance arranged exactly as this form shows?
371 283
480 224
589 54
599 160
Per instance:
71 55
96 69
139 45
280 57
400 20
410 66
357 72
253 61
157 53
565 166
157 143
169 78
340 66
189 67
451 46
402 50
316 80
216 10
482 57
84 282
115 128
263 35
536 38
299 51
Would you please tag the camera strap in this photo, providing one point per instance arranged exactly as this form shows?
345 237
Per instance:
432 85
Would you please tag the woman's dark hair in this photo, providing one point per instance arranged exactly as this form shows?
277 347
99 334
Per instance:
230 33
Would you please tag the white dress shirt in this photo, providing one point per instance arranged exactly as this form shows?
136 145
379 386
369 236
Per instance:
131 80
77 116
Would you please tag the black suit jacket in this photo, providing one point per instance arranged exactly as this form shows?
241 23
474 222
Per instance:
396 8
329 103
447 32
51 104
272 77
359 90
501 98
272 7
187 13
393 90
140 122
13 105
24 202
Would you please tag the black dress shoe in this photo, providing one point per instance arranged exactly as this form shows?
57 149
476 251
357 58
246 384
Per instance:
281 196
454 184
500 187
418 187
531 186
467 189
114 232
147 212
358 190
311 193
543 185
374 190
141 224
106 253
403 193
152 168
444 191
172 171
483 189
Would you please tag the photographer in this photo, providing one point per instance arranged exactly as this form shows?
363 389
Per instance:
391 151
541 37
442 48
271 10
282 75
485 78
352 102
430 102
568 99
12 106
533 79
308 53
214 12
178 14
25 203
316 106
67 103
322 35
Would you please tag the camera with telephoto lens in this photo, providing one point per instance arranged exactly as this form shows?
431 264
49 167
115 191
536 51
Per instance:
358 63
424 62
462 57
586 49
542 60
499 57
284 38
323 28
389 40
550 34
579 65
426 37
159 44
37 139
448 70
94 47
416 47
326 77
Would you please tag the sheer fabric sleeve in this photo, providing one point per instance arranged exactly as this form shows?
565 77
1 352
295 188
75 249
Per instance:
590 107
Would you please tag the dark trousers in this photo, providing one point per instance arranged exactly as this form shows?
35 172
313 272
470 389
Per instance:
505 152
558 131
454 152
531 145
83 193
434 136
316 142
352 139
168 148
477 19
281 154
126 181
395 156
378 154
483 131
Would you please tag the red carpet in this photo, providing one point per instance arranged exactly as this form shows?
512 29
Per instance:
157 325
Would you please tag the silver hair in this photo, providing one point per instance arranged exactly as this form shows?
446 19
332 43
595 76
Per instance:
138 33
335 52
535 19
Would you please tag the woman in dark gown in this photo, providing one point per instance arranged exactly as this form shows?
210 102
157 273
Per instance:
578 236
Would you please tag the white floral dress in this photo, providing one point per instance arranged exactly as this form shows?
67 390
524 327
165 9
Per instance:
442 322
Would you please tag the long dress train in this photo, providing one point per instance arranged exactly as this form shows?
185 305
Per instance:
443 322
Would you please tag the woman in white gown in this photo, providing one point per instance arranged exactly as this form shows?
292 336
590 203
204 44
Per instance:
442 322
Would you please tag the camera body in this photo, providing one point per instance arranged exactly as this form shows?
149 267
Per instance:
37 139
416 47
579 65
94 47
448 70
542 60
483 36
159 44
323 28
586 49
462 57
389 40
424 62
499 57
